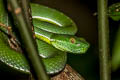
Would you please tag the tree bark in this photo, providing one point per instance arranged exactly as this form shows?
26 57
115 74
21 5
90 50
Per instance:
68 74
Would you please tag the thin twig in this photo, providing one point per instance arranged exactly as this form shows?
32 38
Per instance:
103 29
28 43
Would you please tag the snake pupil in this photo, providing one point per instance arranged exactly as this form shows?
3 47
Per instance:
72 40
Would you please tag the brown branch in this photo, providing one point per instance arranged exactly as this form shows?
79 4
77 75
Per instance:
12 39
68 74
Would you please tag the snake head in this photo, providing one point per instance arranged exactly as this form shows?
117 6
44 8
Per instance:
114 11
70 44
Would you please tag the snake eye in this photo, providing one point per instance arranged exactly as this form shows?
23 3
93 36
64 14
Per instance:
72 40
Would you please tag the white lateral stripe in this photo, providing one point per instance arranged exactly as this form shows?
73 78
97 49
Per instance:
42 35
39 17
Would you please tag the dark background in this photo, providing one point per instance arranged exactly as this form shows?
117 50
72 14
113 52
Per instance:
82 12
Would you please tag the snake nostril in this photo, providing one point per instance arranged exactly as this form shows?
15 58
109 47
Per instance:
78 44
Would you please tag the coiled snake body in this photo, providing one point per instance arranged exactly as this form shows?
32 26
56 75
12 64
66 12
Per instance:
54 35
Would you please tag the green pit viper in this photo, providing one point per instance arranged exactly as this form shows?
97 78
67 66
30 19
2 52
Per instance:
54 33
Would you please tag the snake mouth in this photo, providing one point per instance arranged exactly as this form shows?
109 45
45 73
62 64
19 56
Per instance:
81 50
84 49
